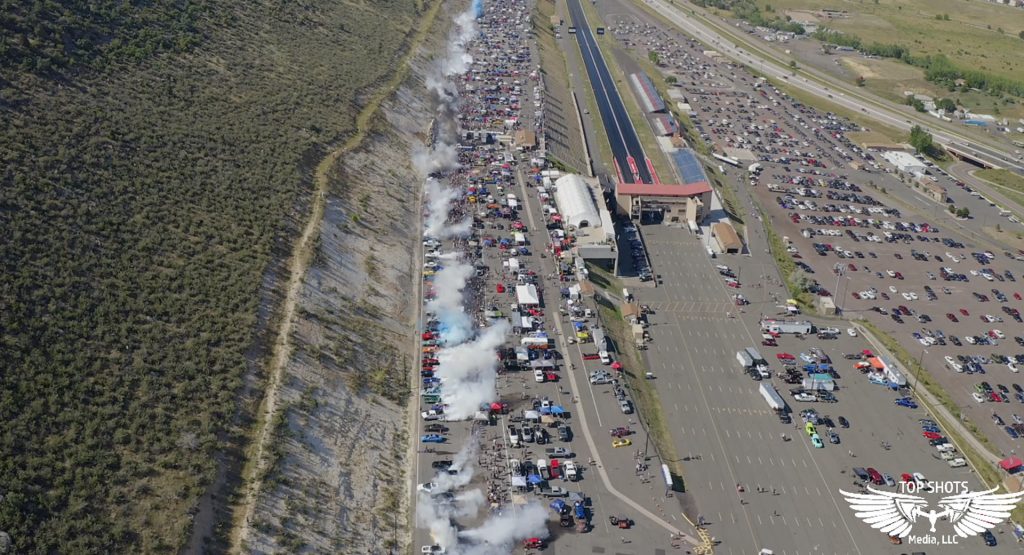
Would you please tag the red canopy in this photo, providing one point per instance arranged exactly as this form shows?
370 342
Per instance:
428 335
617 365
496 406
1011 463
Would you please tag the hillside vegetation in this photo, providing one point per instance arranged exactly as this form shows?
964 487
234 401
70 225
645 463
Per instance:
155 161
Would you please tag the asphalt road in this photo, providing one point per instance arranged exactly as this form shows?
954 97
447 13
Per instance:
834 92
620 130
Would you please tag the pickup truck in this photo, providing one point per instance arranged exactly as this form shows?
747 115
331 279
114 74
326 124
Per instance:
569 469
556 492
957 462
513 436
558 452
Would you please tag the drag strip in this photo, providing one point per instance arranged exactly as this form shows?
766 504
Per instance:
621 134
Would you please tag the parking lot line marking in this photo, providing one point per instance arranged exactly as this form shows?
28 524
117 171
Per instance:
759 461
759 521
733 516
818 490
748 460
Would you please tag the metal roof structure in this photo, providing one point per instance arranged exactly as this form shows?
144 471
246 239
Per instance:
649 98
575 203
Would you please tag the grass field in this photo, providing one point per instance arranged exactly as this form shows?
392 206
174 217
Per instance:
1006 182
971 37
891 78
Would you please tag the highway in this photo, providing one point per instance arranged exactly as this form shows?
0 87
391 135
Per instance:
833 91
625 145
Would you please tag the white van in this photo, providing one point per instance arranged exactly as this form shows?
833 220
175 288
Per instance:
605 358
625 295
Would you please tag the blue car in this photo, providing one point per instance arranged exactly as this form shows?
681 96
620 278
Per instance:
1011 432
906 402
990 540
432 438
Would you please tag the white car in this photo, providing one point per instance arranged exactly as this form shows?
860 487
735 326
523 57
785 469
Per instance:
974 272
1013 367
429 549
913 296
851 332
538 376
978 397
999 334
427 487
923 341
957 462
950 360
890 273
970 339
990 318
805 397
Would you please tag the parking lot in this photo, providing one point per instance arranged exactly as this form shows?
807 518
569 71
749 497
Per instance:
729 432
731 436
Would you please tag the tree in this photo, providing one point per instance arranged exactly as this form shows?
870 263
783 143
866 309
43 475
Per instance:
792 64
946 104
860 80
952 209
653 57
671 80
1021 35
920 139
963 213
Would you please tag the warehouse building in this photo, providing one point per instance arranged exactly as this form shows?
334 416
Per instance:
726 237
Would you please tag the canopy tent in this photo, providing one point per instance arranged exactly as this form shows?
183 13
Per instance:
557 505
518 482
535 479
557 409
531 415
1010 464
616 365
575 202
527 294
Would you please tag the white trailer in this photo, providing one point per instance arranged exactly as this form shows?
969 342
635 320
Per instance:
772 397
784 326
743 357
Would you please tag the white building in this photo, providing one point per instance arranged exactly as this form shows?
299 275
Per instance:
575 202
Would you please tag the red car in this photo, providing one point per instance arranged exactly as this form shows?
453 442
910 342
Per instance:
856 295
931 435
952 317
620 431
899 275
499 288
734 284
785 356
964 312
852 267
906 478
1017 296
994 397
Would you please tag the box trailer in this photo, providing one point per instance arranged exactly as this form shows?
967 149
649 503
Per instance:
744 358
783 326
772 397
819 381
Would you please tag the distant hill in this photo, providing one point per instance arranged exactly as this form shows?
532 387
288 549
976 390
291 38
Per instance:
155 161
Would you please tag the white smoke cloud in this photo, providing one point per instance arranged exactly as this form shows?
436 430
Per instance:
438 200
500 533
468 372
443 157
449 282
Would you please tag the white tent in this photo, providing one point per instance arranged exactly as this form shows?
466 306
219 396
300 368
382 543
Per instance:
575 202
527 295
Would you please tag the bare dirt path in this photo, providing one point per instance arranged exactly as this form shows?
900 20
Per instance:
302 253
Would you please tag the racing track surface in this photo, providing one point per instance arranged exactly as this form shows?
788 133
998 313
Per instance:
621 133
